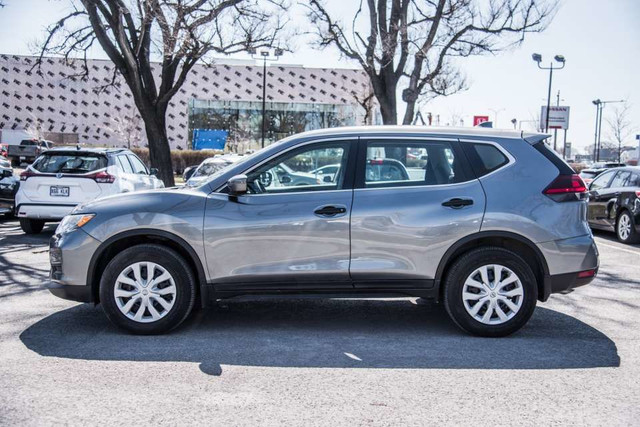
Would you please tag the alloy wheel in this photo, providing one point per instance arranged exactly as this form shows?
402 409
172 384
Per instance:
492 294
145 292
624 226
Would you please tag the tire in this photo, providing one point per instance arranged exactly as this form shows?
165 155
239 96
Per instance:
15 163
31 226
121 269
626 229
523 292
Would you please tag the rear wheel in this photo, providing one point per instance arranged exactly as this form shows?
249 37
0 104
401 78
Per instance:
625 229
147 289
490 292
31 226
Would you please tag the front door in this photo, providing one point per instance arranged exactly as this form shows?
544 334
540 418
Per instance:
600 195
291 230
413 200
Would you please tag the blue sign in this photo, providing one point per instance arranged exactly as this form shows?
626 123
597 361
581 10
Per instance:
209 139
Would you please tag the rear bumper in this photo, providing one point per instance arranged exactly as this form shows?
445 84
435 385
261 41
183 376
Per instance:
566 258
6 205
44 211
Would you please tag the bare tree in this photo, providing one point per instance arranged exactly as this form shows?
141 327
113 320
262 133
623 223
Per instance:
179 33
128 126
420 40
620 126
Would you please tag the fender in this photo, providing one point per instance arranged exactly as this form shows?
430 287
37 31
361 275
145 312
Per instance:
146 232
487 234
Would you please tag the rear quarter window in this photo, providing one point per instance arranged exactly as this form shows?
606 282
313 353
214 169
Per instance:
484 158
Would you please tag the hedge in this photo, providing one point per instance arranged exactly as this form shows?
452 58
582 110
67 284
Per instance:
180 159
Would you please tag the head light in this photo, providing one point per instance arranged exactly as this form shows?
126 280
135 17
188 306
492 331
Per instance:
72 222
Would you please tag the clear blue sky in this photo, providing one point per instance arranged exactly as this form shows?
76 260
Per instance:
600 39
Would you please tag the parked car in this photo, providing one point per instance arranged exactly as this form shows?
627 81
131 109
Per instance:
8 187
614 203
62 178
4 162
188 172
27 151
494 224
3 150
210 166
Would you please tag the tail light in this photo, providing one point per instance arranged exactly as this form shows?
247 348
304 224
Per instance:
566 188
103 178
586 274
26 174
376 161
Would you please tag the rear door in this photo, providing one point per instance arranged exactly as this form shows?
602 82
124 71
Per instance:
413 199
141 174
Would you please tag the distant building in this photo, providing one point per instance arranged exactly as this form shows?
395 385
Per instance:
58 106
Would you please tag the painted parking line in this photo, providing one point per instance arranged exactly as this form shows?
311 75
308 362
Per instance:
618 248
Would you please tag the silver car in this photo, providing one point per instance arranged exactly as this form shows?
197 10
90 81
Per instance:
486 222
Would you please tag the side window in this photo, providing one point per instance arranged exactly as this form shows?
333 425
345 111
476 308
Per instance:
601 181
634 181
620 179
485 158
124 164
138 166
396 164
299 170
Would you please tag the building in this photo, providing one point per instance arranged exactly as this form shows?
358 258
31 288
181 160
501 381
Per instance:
56 104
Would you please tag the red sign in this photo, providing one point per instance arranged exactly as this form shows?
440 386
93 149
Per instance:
480 119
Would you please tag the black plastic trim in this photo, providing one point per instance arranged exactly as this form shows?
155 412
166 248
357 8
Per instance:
72 293
145 232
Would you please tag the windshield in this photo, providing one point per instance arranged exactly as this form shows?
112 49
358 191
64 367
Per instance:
69 163
210 168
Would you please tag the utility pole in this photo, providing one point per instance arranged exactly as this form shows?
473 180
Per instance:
265 54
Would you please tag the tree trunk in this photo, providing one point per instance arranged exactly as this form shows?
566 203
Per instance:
409 112
159 150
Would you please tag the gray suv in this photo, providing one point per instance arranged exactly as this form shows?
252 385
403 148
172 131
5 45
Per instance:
486 222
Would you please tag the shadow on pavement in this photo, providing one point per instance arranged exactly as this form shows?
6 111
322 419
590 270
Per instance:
326 334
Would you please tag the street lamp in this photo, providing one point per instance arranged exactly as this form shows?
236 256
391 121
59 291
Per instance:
495 115
265 54
538 59
596 143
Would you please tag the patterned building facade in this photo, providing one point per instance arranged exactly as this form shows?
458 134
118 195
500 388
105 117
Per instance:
55 104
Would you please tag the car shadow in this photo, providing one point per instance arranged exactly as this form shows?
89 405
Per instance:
326 334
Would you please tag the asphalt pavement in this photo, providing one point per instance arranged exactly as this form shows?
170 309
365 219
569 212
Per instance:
318 362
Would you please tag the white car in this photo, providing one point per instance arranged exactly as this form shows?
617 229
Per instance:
210 166
64 177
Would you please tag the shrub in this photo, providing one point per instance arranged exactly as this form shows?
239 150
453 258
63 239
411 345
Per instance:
180 159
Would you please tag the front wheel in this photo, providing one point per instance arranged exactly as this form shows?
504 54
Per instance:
625 229
31 226
147 289
490 292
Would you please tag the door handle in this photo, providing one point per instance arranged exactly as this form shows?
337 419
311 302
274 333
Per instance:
457 203
330 210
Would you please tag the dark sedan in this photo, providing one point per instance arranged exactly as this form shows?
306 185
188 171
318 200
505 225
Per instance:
8 188
614 203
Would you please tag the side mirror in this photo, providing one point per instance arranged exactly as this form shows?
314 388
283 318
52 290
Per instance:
153 171
285 179
327 178
237 185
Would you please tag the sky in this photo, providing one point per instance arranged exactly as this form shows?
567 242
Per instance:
600 40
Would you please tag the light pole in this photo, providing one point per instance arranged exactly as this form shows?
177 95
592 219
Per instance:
265 54
538 59
599 107
514 121
495 116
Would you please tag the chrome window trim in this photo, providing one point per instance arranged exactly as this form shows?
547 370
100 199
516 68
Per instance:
350 139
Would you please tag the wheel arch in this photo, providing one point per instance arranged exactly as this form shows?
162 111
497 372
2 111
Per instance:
512 241
113 245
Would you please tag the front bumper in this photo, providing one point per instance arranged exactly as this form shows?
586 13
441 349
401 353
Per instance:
70 256
70 292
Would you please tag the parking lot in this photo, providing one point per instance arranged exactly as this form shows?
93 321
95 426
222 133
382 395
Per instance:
277 361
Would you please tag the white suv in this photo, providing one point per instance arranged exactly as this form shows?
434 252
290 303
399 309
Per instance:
64 177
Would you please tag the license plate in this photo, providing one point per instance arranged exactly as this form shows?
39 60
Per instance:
59 191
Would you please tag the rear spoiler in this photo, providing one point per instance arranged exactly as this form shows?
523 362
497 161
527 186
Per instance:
534 138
